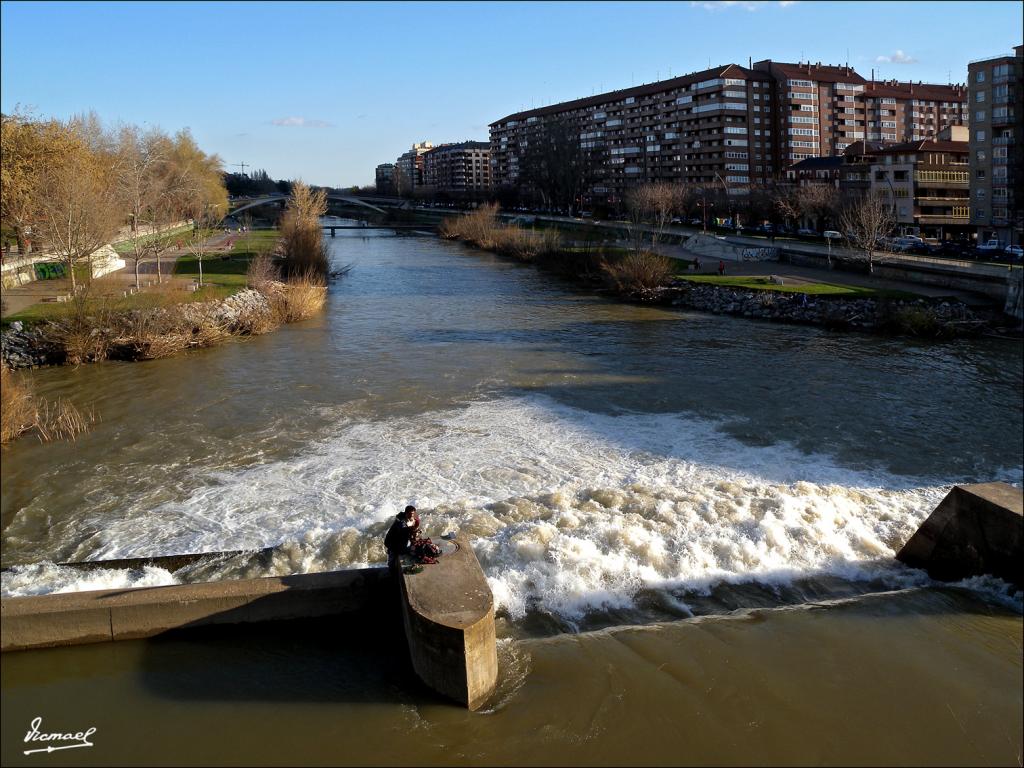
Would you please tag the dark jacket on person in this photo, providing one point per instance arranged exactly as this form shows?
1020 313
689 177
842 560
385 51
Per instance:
400 536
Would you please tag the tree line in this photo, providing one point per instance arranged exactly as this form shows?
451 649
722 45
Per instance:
71 186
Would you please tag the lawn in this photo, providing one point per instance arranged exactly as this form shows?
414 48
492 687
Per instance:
227 271
170 238
221 278
812 289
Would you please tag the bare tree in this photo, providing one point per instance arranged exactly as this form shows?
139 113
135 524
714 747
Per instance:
140 186
651 205
866 222
77 200
556 166
301 235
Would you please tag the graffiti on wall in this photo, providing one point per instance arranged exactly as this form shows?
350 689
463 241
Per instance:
760 254
49 270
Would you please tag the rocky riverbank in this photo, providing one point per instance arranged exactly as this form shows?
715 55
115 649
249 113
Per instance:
138 334
915 317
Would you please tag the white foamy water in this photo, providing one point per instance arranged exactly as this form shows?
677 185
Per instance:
571 511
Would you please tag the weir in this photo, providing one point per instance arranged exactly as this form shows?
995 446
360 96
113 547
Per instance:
447 609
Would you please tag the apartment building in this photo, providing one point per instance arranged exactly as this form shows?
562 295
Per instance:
408 173
996 146
731 126
710 127
927 183
385 177
461 170
822 109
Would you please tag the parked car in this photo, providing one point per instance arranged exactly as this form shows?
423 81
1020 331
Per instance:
1014 250
906 242
991 246
831 234
806 231
695 222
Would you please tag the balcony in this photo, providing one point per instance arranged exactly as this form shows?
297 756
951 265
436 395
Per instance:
941 219
956 179
1003 120
1002 141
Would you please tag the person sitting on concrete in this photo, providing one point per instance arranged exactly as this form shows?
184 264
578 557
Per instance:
400 536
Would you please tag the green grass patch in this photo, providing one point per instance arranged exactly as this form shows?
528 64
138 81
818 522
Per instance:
812 289
169 239
227 270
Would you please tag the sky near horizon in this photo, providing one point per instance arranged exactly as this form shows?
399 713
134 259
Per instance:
324 91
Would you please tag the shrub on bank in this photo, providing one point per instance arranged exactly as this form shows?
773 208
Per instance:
638 271
482 229
21 412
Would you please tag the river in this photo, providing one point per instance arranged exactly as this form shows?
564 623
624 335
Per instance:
675 479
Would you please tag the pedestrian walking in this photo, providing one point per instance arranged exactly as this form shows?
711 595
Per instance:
721 268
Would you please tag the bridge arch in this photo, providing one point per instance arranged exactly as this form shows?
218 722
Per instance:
279 198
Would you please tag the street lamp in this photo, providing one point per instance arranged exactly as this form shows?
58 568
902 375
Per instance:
704 205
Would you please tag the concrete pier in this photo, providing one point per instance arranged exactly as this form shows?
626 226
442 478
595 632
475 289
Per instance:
975 530
448 611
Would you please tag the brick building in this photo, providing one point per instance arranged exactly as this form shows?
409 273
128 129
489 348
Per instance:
730 126
408 173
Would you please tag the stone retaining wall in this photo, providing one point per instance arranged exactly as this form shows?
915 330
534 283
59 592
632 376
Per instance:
867 314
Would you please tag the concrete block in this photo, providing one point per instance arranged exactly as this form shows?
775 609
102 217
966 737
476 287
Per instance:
448 611
975 530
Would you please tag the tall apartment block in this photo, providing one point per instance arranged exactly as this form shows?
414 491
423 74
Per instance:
385 178
461 170
731 125
408 173
997 146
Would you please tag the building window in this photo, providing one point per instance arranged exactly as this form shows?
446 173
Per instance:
981 155
979 96
979 116
979 135
980 174
979 77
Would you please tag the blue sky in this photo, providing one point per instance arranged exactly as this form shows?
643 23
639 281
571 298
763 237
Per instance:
325 91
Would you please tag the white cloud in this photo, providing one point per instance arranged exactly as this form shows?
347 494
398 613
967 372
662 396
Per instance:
300 122
747 5
899 57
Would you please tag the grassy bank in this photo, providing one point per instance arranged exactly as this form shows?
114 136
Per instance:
811 288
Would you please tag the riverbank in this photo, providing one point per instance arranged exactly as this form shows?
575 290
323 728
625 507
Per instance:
649 278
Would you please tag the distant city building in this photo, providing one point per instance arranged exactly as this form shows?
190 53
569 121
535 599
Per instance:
386 178
460 170
996 146
730 125
408 174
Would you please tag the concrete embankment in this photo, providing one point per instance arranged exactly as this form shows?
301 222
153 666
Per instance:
447 609
977 529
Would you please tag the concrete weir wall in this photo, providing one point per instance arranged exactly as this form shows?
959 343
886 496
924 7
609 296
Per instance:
447 609
76 618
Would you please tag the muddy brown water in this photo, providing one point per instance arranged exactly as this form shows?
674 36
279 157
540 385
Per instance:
659 500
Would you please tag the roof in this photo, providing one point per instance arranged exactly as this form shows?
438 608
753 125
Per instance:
926 145
459 145
818 164
725 70
826 73
867 148
924 91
